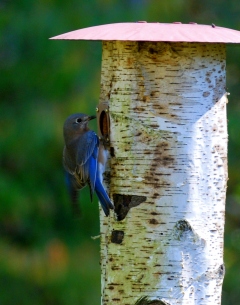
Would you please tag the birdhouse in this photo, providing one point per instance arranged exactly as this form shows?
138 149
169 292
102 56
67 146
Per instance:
163 108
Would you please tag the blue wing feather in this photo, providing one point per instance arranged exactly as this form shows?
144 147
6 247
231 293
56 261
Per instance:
87 157
92 174
86 147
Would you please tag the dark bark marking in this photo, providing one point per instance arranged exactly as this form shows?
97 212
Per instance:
153 221
117 236
221 271
146 301
123 203
182 229
161 159
112 151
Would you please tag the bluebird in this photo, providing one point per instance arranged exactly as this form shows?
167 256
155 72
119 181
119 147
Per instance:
84 160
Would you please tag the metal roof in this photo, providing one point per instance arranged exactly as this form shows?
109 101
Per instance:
144 31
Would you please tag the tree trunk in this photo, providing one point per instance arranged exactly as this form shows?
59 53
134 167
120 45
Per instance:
167 172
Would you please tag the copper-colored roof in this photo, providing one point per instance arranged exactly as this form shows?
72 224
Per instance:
143 31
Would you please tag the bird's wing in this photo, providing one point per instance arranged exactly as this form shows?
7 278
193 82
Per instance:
87 158
93 170
86 147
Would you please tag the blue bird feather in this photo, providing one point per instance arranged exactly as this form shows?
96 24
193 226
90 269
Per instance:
81 160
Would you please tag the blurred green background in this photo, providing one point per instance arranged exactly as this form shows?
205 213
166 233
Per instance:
46 256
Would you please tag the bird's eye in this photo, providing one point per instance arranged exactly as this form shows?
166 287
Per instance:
79 120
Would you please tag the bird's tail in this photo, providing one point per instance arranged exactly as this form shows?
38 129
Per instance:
103 197
73 192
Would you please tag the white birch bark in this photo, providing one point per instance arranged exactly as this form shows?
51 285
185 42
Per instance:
167 106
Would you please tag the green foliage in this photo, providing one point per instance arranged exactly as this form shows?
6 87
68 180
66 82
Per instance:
47 256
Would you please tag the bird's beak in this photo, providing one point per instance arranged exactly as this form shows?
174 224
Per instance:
91 117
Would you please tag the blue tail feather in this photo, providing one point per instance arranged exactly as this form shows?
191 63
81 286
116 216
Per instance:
103 196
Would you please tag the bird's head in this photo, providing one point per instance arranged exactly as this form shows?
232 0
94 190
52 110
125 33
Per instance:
76 124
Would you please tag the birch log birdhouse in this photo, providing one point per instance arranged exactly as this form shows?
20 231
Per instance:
165 90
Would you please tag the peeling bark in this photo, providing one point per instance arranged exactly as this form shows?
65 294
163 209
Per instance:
168 146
